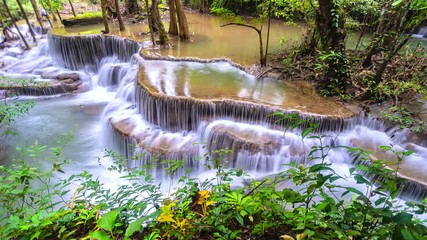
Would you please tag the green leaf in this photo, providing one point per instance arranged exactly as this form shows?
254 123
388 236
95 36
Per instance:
408 153
239 218
134 226
396 3
380 201
319 167
386 148
403 218
100 235
354 190
306 132
360 179
407 235
108 221
311 188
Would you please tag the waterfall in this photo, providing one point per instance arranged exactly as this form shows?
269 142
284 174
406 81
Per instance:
38 91
111 74
79 52
422 33
149 126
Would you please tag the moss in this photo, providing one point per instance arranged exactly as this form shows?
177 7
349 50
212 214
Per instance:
87 15
83 19
8 82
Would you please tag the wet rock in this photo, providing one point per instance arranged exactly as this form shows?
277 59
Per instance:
73 86
67 81
47 73
64 76
81 21
3 94
84 87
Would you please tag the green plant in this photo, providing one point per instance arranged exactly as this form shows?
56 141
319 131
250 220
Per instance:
9 112
336 64
404 119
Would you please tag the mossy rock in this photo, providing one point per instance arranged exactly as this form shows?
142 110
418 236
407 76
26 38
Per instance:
84 19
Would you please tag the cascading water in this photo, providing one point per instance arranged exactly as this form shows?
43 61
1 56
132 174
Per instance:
422 33
158 108
87 52
55 114
169 122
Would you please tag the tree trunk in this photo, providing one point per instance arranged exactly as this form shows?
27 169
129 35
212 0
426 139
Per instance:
59 15
173 22
150 22
14 24
330 25
119 15
268 33
30 28
154 27
132 6
52 10
262 57
393 52
389 26
163 36
202 6
47 17
184 33
37 13
72 7
2 17
104 17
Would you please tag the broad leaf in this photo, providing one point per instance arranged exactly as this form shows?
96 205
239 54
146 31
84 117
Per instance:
134 226
100 235
108 221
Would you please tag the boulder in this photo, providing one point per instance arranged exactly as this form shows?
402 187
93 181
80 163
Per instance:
81 21
67 81
65 76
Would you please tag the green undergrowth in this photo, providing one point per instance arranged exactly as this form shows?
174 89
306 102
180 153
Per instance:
87 15
7 82
306 201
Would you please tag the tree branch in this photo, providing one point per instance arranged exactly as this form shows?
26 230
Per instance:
243 25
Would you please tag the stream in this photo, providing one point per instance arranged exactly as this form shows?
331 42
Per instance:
181 109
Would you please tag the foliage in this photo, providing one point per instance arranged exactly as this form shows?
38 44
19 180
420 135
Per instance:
404 119
56 4
358 10
223 12
9 111
41 205
337 64
14 8
288 10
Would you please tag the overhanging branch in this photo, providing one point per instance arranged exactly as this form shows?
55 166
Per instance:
243 25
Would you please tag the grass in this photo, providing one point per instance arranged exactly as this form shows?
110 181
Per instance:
8 82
